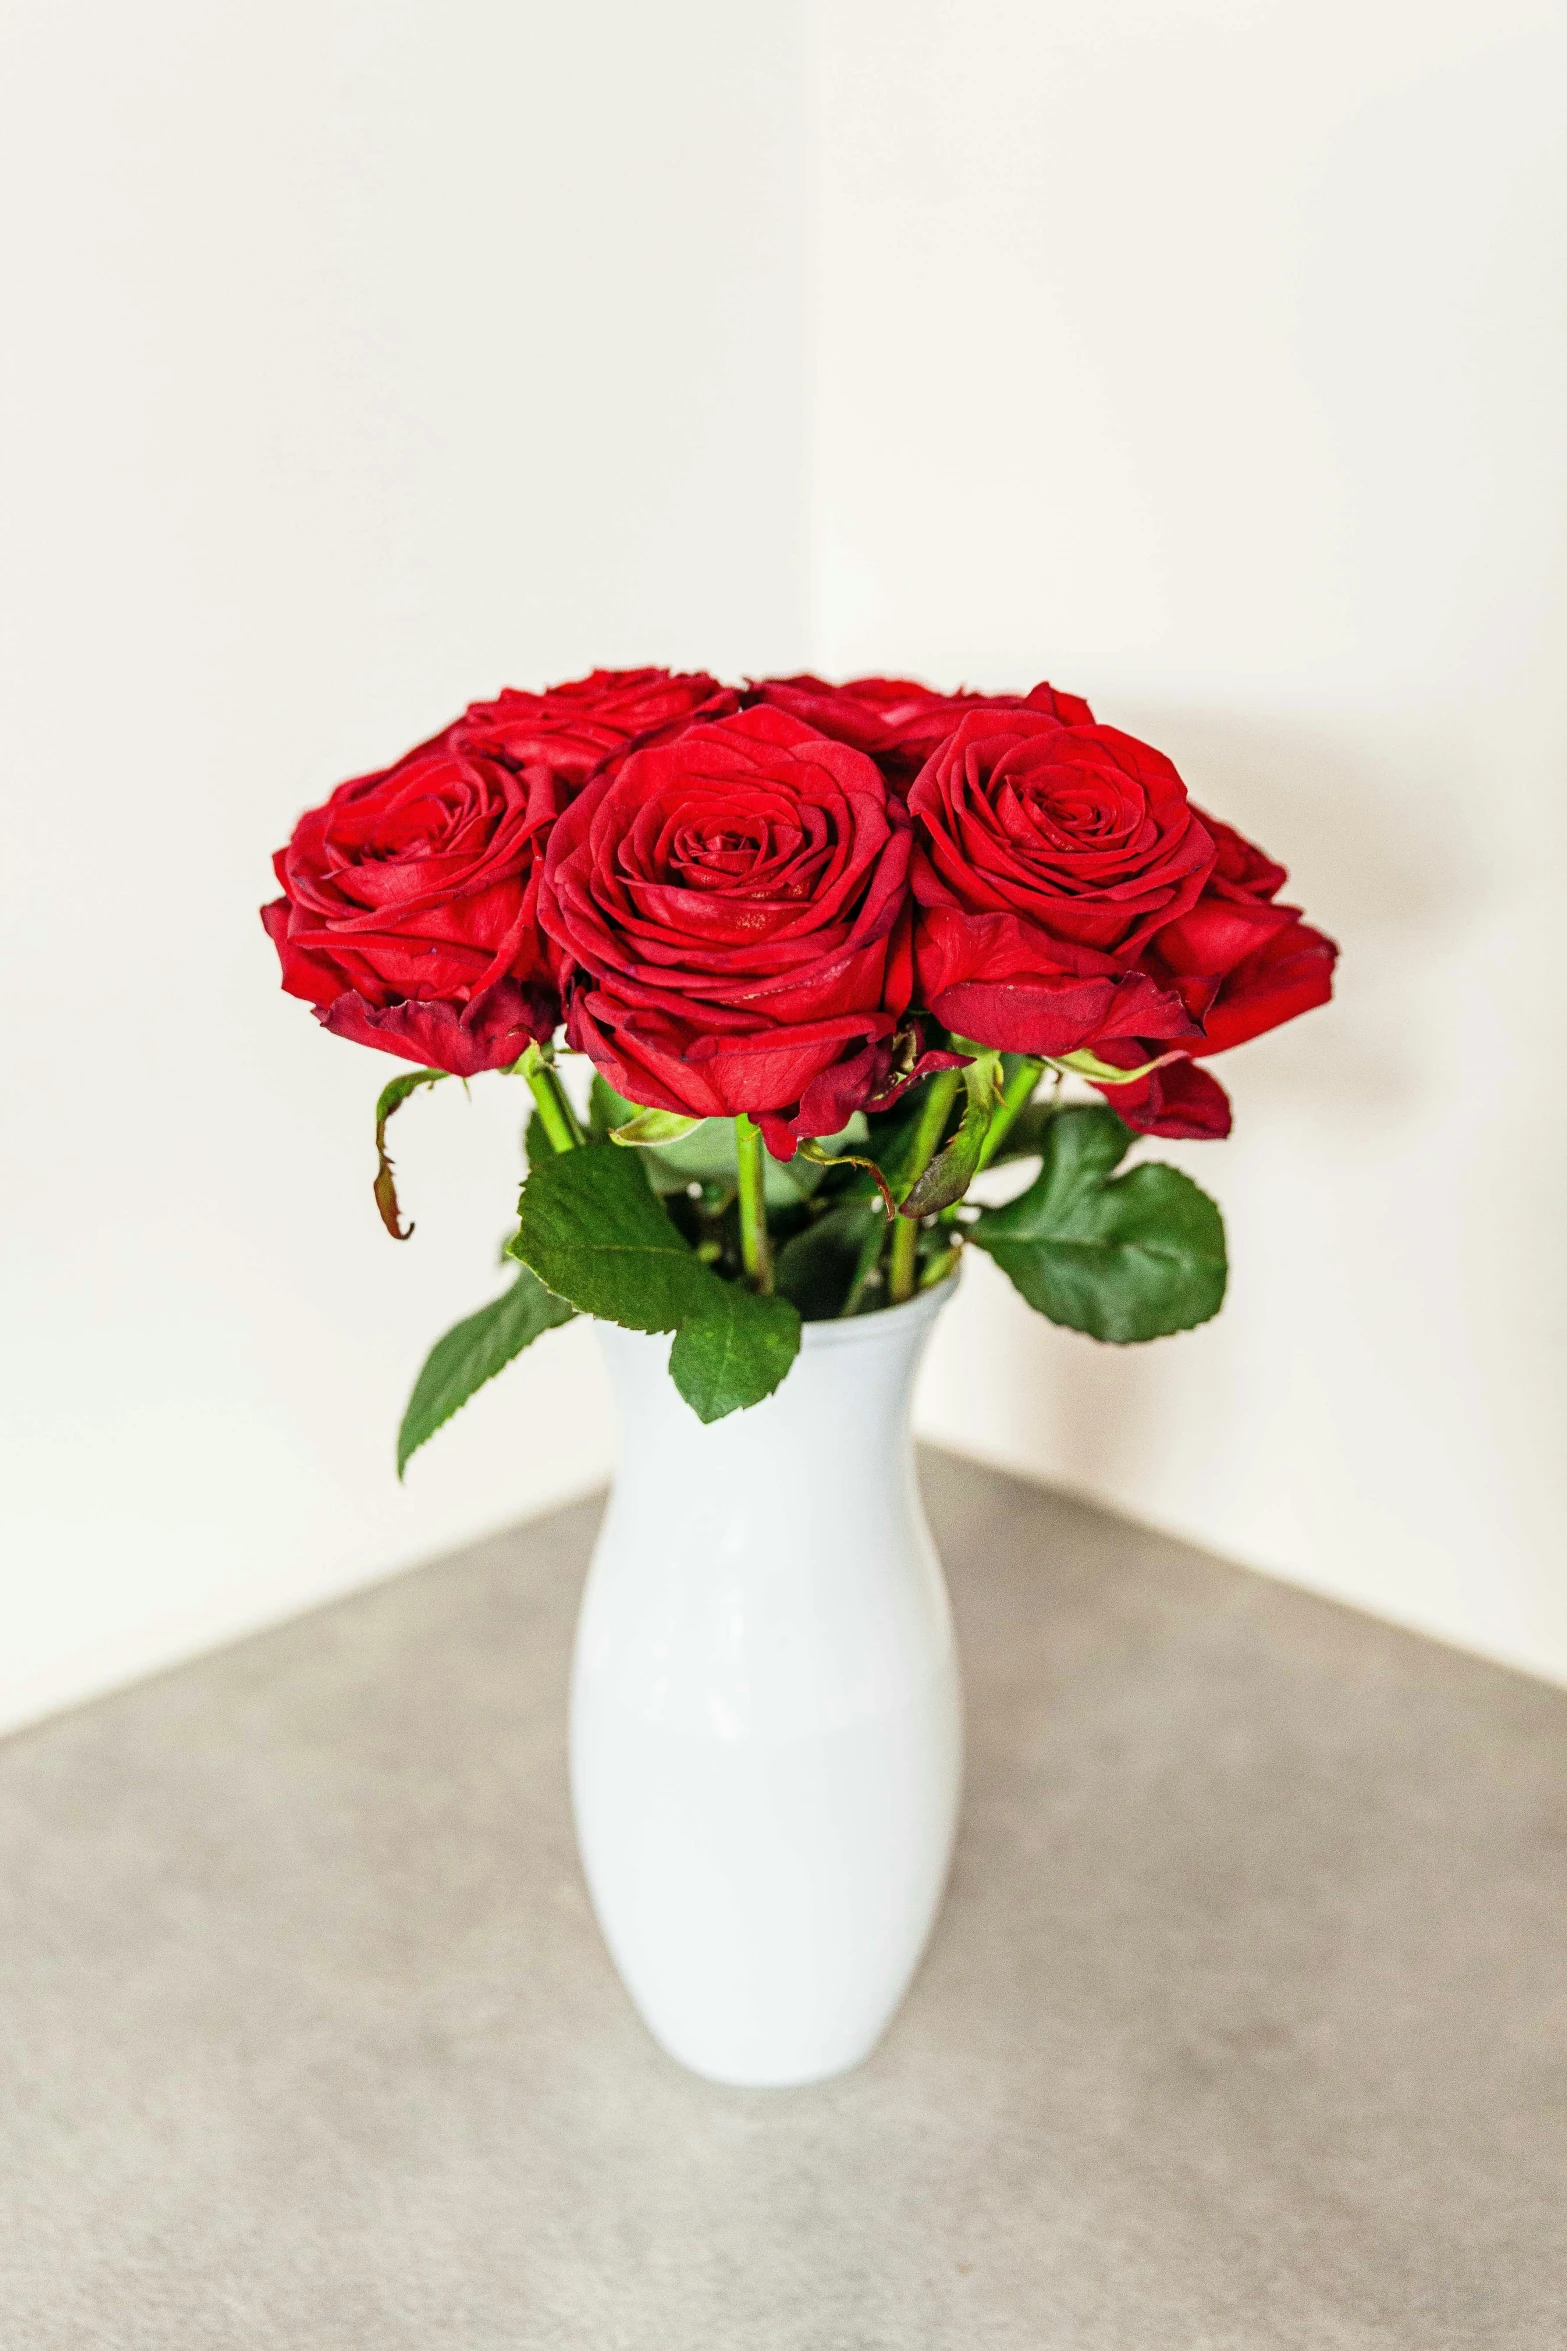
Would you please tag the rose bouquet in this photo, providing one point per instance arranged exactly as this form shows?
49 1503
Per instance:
832 952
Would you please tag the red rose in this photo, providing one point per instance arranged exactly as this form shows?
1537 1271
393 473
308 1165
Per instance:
1046 857
899 722
1241 965
1288 974
408 911
569 731
1179 1100
1240 868
723 908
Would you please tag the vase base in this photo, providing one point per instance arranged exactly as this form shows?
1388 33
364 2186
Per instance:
767 1902
804 2077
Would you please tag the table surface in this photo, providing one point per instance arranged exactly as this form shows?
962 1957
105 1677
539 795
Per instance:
1245 2023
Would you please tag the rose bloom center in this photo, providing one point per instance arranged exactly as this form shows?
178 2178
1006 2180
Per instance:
1065 812
767 849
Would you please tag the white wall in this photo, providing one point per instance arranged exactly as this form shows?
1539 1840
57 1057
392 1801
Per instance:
362 355
1209 358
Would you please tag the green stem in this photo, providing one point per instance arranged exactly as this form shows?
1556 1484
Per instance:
1016 1096
934 1114
754 1246
556 1115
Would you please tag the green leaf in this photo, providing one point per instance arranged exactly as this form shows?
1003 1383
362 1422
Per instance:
392 1097
736 1353
1025 1137
594 1233
953 1169
458 1365
653 1127
536 1144
1080 1147
864 1267
1123 1258
823 1268
936 1268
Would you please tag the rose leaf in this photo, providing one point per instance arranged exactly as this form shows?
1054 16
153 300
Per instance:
536 1144
1122 1258
1025 1137
736 1353
473 1352
1079 1146
825 1267
594 1233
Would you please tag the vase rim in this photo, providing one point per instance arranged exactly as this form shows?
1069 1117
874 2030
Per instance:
884 1322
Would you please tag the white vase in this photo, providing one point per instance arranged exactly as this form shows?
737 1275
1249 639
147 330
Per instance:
766 1721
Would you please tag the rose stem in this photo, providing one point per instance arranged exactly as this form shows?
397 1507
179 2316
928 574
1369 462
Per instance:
754 1247
906 1230
558 1118
1016 1095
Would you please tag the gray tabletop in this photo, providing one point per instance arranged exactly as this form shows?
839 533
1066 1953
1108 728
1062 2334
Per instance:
1245 2024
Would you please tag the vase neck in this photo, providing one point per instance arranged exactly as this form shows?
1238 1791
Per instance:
841 1414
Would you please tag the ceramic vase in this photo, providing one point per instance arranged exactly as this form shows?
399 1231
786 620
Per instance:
766 1719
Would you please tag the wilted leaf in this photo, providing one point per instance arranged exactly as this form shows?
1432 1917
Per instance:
392 1097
